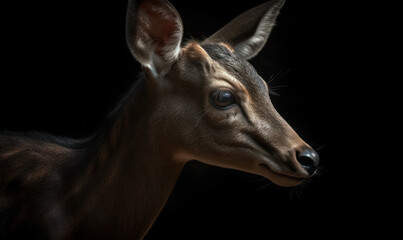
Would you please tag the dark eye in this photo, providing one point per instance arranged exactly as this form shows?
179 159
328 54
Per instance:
222 99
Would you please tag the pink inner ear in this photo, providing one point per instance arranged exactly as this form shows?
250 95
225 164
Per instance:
160 23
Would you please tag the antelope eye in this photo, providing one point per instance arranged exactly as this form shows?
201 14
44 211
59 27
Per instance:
222 99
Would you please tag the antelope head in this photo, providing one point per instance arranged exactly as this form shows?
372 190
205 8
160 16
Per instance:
207 102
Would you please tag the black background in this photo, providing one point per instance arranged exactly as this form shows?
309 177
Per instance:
64 65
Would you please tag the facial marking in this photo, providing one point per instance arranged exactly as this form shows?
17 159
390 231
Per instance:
236 66
194 50
224 78
254 101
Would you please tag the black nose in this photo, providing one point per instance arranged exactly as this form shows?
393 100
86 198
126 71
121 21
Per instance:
309 160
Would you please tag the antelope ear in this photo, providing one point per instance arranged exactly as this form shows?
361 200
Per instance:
154 33
248 32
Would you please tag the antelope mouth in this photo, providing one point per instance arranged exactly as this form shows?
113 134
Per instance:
281 178
284 178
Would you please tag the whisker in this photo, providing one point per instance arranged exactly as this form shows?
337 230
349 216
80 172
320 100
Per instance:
315 142
198 120
274 90
273 78
266 185
280 86
270 79
278 76
320 171
319 148
295 193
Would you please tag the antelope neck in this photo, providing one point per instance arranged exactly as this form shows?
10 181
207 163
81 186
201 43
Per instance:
130 177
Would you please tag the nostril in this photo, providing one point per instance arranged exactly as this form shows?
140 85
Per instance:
309 160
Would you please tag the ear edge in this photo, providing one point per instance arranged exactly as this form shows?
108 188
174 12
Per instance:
258 40
249 41
154 32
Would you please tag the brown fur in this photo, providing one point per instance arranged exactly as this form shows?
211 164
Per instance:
114 184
